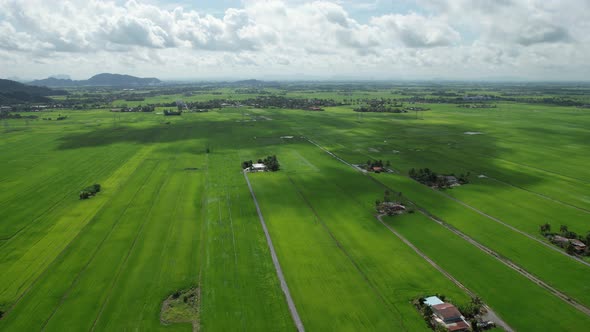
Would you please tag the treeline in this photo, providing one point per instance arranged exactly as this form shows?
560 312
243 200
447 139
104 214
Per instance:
287 102
7 115
432 179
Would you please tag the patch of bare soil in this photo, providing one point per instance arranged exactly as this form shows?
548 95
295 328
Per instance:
182 307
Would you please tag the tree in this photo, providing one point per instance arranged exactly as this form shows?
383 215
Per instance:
570 249
545 228
387 164
563 230
587 238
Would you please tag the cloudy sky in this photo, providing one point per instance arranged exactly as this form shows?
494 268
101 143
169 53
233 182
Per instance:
297 39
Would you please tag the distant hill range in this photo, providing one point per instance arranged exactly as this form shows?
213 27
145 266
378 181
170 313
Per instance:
99 80
12 92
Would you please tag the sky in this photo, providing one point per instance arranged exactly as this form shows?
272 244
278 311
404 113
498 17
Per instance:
545 40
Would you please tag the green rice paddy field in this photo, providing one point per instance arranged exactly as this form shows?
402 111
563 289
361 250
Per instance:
173 216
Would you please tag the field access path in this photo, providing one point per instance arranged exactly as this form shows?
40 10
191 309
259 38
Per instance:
275 261
480 246
548 245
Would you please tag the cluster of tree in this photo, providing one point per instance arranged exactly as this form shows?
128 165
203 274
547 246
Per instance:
379 109
564 231
375 165
61 117
170 112
381 105
247 164
90 191
6 115
271 163
478 105
432 179
287 102
134 98
141 108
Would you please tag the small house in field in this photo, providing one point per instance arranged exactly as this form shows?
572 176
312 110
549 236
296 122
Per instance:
563 242
391 208
258 167
450 317
377 169
579 246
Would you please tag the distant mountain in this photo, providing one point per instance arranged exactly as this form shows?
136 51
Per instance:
54 82
99 80
12 92
61 76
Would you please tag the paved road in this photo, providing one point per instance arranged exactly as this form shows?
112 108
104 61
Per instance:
490 315
275 261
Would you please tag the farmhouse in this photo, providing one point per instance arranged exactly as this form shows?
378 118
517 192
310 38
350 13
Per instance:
391 208
579 246
446 314
258 167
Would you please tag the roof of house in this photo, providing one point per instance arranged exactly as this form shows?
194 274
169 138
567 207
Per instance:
577 243
458 326
446 311
258 165
432 300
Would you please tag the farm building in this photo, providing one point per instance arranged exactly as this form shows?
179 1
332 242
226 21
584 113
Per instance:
447 315
391 208
258 167
579 246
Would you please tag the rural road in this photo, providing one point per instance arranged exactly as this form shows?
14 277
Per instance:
485 249
490 313
548 245
275 261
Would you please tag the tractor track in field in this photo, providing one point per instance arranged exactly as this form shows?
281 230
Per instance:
54 261
348 256
497 319
275 261
582 308
123 265
540 195
93 256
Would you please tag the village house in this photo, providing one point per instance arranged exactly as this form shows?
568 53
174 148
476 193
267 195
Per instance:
391 208
561 241
447 315
258 167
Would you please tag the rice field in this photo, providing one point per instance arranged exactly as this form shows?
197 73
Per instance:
175 213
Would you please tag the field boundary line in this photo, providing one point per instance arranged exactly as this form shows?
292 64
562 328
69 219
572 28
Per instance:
275 261
485 249
501 322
